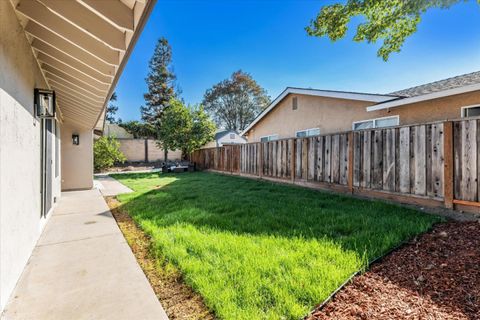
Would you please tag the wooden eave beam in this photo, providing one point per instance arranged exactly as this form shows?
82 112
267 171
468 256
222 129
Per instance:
72 99
78 103
74 73
59 55
78 88
39 32
114 12
77 93
37 12
99 93
87 21
69 109
77 67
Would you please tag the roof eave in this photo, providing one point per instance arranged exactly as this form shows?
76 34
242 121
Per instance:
430 96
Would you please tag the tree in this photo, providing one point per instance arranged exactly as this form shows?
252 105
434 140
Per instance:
234 103
160 82
184 128
390 21
106 152
139 129
112 110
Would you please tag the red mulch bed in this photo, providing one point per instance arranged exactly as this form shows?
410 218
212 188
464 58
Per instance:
435 276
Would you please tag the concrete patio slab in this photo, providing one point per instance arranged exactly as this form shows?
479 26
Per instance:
82 268
109 186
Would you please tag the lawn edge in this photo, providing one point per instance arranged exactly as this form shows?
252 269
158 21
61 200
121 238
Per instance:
188 304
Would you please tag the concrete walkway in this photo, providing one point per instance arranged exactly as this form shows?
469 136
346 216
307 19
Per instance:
109 186
82 268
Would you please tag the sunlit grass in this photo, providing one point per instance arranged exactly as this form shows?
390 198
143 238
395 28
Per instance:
259 250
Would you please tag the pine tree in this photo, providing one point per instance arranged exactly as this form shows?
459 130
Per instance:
112 110
161 83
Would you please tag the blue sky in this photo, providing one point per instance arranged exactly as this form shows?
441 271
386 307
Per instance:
211 39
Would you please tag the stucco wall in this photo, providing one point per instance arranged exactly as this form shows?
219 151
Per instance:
334 115
77 160
20 202
134 151
328 114
448 108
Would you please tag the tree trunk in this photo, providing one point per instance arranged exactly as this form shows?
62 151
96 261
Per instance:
165 154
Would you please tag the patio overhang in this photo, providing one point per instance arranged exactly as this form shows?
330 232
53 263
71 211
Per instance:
81 47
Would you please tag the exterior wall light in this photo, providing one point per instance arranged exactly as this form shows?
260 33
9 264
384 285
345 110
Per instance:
44 103
75 139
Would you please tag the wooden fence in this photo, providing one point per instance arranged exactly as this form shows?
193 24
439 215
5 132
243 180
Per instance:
435 164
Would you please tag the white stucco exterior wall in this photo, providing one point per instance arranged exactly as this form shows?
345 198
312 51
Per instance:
77 160
20 202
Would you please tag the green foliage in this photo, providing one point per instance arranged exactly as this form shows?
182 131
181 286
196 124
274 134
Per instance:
106 152
112 110
234 103
139 129
259 250
160 82
390 21
184 128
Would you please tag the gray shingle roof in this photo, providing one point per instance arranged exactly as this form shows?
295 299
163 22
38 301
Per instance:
450 83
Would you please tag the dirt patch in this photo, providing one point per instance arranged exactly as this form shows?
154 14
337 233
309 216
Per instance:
178 299
435 276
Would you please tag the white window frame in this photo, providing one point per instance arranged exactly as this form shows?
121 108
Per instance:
271 137
306 130
374 120
462 110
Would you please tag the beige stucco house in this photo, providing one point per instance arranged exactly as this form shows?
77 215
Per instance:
78 50
225 137
305 112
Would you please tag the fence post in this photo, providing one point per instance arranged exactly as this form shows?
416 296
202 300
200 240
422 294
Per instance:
448 164
260 162
294 154
350 161
146 150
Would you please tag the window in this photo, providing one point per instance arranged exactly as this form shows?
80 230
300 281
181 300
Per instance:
269 138
376 123
232 136
308 133
294 103
472 111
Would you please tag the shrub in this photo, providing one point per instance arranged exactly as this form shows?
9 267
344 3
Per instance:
106 152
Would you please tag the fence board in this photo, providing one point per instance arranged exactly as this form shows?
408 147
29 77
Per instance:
298 160
367 159
377 174
312 149
404 161
343 157
457 153
389 160
319 160
469 160
437 159
420 160
328 159
357 158
335 162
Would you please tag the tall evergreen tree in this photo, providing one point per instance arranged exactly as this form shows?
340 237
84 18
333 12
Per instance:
161 83
112 110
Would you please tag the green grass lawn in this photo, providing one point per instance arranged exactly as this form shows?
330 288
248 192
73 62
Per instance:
259 250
